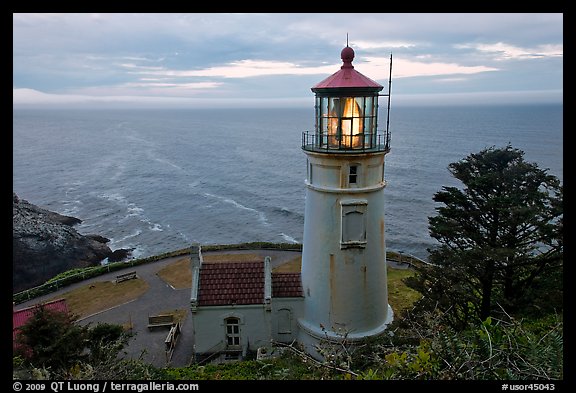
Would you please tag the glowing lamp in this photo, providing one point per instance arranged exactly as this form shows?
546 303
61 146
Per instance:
347 112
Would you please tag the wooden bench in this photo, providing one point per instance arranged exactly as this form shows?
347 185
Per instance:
171 340
125 276
162 320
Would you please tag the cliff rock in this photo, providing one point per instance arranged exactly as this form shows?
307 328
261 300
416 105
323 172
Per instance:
45 244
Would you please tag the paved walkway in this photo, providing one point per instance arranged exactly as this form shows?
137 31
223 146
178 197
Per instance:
149 344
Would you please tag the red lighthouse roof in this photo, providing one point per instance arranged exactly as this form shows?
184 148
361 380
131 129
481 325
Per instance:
347 76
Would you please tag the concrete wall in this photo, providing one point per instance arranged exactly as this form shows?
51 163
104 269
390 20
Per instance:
210 327
285 314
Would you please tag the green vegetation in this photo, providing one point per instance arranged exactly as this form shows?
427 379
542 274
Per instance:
488 306
245 370
501 241
51 339
493 349
431 350
400 296
427 347
52 346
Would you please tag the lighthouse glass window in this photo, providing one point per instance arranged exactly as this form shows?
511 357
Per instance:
346 122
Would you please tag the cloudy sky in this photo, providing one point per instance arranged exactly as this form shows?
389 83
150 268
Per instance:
257 59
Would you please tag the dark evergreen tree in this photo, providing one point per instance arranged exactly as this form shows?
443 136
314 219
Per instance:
500 238
53 343
106 340
51 339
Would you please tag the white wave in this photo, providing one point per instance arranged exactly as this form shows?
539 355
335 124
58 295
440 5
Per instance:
71 211
164 161
134 210
156 228
137 252
114 197
137 232
72 188
288 238
134 136
185 237
153 226
262 218
71 207
261 215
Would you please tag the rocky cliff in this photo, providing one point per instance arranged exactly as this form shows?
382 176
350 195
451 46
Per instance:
45 244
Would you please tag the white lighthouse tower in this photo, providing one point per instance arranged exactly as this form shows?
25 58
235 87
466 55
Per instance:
344 277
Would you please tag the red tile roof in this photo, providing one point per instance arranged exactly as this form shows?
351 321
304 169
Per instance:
286 285
347 76
20 317
226 283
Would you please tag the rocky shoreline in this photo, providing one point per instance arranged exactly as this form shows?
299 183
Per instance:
44 244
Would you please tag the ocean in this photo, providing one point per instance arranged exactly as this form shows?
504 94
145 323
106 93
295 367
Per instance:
159 180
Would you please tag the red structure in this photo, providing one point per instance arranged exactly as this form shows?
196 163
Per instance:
20 317
347 76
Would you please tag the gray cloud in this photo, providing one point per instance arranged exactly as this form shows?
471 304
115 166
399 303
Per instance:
278 55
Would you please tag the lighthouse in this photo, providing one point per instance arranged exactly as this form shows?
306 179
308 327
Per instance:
344 280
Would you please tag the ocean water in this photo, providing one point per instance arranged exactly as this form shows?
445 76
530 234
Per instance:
158 180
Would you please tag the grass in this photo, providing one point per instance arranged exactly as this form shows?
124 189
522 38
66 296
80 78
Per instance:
292 266
215 258
400 297
102 295
177 274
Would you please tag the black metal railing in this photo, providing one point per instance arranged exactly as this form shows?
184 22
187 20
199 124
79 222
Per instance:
345 143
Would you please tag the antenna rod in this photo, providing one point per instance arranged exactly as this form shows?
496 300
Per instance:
389 93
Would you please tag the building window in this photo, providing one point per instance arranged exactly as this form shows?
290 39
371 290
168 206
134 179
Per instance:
353 224
232 332
353 174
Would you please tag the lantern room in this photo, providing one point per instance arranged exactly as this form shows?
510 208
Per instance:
346 112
